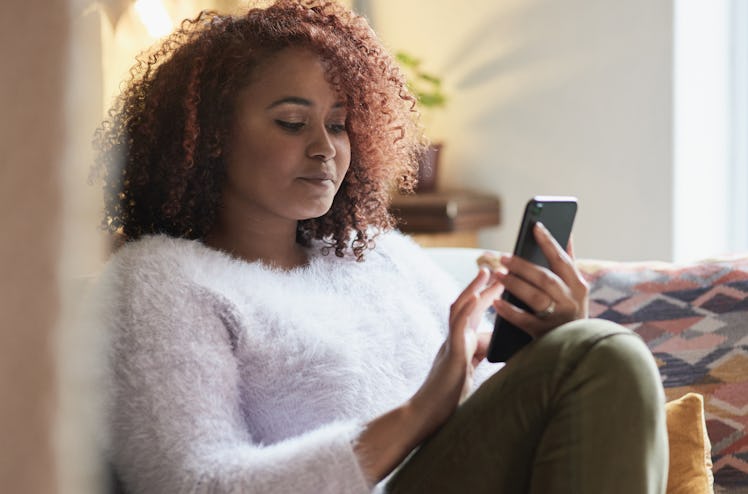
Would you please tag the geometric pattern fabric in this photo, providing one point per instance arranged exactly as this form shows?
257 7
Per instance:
694 318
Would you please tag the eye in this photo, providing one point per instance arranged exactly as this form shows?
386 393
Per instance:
337 128
292 126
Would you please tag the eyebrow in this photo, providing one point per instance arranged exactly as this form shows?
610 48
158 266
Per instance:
295 100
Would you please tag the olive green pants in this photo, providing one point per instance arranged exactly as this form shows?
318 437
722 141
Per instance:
579 411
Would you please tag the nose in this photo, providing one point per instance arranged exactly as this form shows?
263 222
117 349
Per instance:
321 146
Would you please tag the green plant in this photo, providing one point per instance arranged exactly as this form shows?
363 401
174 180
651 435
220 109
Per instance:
425 86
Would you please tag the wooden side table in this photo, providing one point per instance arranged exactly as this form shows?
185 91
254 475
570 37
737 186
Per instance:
446 218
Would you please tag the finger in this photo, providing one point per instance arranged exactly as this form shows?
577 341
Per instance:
471 344
570 247
473 288
493 289
519 318
459 319
481 280
486 298
557 257
481 350
537 299
463 340
539 278
559 260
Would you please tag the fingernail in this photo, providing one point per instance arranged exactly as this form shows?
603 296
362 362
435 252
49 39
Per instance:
541 226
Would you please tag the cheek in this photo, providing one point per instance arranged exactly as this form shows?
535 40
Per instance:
259 149
258 159
343 155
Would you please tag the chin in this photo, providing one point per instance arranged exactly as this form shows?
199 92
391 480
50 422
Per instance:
313 207
319 215
315 213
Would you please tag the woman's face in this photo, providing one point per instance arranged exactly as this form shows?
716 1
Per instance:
288 149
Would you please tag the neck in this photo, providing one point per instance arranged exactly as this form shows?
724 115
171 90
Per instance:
274 244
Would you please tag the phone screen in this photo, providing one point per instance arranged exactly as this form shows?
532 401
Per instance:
557 215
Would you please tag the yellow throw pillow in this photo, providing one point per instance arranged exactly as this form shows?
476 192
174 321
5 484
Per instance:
690 449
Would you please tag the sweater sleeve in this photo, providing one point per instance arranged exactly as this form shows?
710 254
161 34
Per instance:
175 416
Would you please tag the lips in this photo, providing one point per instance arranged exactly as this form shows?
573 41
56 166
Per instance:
319 177
319 181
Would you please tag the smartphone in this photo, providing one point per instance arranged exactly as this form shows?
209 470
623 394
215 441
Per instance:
557 215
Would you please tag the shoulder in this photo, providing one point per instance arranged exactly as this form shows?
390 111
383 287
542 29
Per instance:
159 270
160 253
149 297
156 258
147 261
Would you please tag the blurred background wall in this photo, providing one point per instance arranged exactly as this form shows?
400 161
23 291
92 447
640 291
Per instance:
564 98
638 108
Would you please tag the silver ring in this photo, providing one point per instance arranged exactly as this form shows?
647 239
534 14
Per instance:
548 311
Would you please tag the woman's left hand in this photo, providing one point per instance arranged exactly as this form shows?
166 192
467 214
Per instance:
556 296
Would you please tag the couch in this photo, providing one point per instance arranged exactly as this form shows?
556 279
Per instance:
694 318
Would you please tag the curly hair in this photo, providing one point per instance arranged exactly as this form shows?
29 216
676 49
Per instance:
160 152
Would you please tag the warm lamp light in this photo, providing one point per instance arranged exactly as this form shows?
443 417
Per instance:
154 16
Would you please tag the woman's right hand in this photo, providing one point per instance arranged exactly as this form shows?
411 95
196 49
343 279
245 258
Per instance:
451 376
388 439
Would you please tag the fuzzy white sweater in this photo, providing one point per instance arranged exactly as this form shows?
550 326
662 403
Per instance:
227 376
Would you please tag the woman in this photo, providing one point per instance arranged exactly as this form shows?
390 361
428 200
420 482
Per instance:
270 334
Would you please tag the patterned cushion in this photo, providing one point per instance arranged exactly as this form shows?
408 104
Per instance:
695 320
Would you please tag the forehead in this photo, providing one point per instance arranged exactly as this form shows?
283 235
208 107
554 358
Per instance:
291 72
